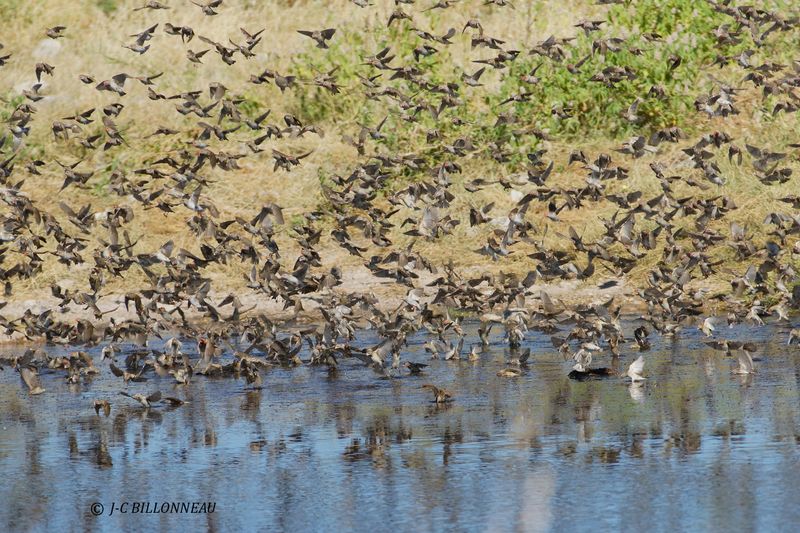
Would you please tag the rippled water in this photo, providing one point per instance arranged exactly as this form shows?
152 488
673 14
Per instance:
694 448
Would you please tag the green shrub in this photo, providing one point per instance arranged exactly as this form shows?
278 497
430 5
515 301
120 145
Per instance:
686 30
595 110
107 6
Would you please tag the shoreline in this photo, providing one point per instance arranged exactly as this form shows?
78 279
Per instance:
389 296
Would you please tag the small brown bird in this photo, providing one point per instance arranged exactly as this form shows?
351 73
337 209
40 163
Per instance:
414 368
509 373
208 7
286 161
320 36
146 401
474 354
439 395
125 375
441 4
55 32
520 359
473 79
173 402
43 68
105 405
152 4
195 57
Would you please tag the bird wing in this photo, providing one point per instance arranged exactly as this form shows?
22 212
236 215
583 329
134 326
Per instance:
30 377
745 362
636 368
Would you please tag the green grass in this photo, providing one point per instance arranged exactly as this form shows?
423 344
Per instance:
107 6
685 28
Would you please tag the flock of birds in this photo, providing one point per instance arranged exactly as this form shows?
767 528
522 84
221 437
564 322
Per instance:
235 341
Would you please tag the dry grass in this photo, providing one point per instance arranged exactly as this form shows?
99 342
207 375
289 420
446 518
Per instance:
93 45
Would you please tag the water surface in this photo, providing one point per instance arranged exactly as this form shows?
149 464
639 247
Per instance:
694 448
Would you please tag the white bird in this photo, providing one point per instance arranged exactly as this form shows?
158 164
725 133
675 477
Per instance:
745 363
636 368
174 346
453 353
583 359
794 336
708 326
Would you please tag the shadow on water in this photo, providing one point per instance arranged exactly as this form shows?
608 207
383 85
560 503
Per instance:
693 447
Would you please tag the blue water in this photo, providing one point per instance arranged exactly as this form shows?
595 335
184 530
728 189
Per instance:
694 448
